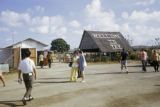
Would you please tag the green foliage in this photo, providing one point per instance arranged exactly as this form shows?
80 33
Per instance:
105 59
59 45
133 56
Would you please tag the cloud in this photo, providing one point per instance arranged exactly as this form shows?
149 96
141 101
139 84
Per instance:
48 25
142 16
39 8
36 9
125 15
14 19
140 2
40 29
4 29
98 18
145 2
40 25
74 24
141 25
57 25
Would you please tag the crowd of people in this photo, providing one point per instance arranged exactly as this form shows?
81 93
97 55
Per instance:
27 68
77 64
143 56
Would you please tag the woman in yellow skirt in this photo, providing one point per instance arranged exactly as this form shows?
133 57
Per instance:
74 69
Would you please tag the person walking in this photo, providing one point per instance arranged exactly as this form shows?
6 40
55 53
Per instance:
144 56
41 60
28 70
49 59
155 59
2 78
74 69
82 64
124 56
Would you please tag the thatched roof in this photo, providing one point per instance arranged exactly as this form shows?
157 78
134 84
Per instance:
98 41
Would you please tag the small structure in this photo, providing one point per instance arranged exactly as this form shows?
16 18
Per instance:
13 54
103 43
98 41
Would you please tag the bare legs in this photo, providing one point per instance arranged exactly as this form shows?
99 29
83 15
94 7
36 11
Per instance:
2 79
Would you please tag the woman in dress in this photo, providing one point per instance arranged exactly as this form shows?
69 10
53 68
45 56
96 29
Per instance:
74 69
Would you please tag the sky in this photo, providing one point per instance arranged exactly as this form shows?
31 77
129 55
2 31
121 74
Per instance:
47 20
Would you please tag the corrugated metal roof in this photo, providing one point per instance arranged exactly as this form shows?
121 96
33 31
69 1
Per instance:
100 41
29 39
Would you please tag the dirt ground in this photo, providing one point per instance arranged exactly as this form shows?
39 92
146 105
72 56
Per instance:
105 86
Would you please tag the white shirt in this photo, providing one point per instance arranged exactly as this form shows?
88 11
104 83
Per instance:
26 65
41 57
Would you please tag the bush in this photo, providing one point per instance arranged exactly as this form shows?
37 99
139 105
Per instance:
133 56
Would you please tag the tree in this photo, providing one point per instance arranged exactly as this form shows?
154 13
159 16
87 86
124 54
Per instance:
157 40
59 45
129 39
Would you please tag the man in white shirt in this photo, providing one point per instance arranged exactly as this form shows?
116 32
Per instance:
28 69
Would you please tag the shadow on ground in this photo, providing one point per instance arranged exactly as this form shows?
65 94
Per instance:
13 103
53 78
118 73
48 82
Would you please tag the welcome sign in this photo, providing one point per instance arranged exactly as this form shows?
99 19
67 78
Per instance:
105 35
111 38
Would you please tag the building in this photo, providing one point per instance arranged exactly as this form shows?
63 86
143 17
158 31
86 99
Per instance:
97 41
101 42
13 54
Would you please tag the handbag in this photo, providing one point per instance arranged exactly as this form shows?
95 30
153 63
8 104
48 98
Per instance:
70 64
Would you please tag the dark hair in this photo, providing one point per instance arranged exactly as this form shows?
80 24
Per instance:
123 49
75 52
27 53
80 52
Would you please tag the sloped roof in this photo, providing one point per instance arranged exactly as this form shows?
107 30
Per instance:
29 39
99 41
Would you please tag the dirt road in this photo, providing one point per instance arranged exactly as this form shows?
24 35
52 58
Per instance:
105 86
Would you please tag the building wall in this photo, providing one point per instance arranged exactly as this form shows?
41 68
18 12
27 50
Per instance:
14 54
6 56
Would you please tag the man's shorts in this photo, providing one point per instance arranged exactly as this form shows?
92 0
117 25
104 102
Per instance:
124 62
